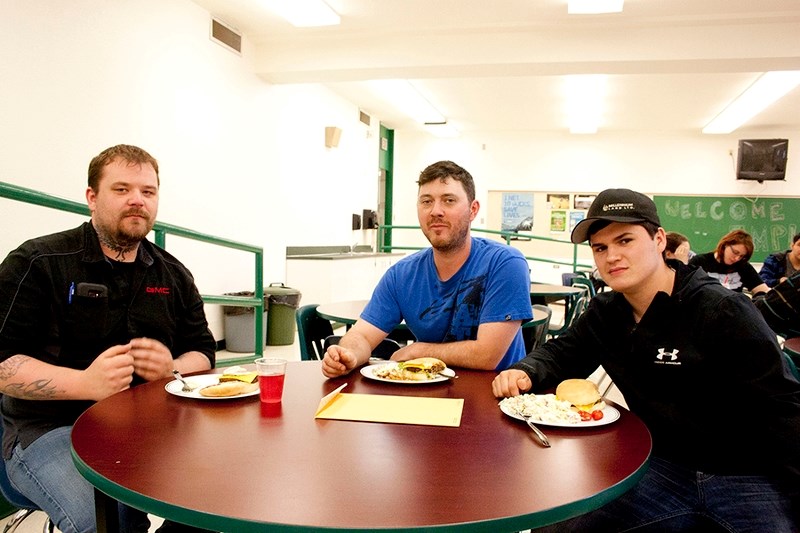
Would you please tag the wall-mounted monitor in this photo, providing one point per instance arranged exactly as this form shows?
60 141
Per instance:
762 159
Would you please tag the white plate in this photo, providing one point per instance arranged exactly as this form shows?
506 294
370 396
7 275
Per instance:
204 380
369 372
610 414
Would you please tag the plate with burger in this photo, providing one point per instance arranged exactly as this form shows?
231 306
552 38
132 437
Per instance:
413 371
576 403
234 382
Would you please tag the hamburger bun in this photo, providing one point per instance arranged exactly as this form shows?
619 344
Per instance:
228 388
581 393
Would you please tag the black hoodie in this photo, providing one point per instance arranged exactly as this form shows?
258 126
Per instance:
702 369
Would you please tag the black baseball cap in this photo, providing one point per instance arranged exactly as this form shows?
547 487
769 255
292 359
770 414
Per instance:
616 205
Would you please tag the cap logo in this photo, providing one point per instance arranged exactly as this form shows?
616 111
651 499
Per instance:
618 207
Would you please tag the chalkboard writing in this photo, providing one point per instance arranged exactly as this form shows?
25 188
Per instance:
704 220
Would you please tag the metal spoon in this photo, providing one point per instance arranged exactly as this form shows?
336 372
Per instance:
186 386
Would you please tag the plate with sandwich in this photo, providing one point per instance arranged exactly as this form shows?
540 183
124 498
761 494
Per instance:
576 403
234 382
412 372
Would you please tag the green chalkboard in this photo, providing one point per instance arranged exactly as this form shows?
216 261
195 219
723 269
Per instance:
705 219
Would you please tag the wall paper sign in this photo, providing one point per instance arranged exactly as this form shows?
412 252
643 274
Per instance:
558 201
583 201
574 218
558 221
517 212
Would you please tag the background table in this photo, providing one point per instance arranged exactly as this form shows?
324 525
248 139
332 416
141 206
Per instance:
233 465
543 293
348 312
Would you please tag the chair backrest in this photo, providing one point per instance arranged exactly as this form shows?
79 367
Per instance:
792 366
535 334
576 305
312 330
383 350
584 282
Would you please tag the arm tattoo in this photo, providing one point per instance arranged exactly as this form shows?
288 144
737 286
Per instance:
42 389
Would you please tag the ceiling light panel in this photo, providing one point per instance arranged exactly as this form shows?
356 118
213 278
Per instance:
767 89
585 101
408 100
594 7
304 13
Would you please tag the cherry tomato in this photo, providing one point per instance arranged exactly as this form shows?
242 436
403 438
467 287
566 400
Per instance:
585 416
597 415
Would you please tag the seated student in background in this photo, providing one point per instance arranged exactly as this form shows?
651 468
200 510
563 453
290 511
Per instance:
701 368
677 247
730 263
781 306
463 299
780 265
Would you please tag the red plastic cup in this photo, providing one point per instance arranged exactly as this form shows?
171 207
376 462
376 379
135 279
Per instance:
271 374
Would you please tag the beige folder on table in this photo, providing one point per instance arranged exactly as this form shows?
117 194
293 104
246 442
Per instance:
391 409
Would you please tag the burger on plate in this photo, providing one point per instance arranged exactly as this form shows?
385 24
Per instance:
583 395
420 369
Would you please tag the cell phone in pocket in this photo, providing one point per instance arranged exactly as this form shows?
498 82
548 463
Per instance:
91 290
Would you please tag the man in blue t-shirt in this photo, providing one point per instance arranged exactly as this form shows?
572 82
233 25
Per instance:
464 298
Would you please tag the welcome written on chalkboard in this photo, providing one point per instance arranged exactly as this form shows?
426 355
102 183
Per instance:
705 219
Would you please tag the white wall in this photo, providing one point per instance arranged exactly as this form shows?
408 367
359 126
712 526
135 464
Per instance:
238 158
245 160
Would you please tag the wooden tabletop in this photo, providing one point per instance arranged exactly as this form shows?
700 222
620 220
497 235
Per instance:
233 465
792 347
348 312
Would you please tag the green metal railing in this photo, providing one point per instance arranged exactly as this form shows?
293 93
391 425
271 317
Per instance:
161 229
508 236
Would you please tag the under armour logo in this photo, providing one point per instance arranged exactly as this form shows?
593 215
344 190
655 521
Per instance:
671 356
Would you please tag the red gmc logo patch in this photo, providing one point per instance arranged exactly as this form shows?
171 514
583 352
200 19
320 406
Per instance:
157 290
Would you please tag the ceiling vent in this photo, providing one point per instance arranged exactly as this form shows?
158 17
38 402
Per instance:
363 117
226 36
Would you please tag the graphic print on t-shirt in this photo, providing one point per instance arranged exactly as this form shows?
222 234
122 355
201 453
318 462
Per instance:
464 306
731 280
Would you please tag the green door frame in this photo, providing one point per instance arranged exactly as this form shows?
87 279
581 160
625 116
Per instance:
386 164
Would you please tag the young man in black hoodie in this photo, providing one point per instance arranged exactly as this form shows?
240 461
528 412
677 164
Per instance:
698 364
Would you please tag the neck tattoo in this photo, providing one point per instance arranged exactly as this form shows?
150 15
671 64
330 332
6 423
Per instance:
119 249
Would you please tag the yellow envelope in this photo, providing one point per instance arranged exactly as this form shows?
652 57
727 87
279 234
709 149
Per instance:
391 409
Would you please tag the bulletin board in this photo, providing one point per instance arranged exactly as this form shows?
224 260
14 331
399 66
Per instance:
771 221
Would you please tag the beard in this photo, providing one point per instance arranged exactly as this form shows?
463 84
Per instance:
442 243
125 234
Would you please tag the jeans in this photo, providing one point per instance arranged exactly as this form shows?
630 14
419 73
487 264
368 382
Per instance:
45 474
672 498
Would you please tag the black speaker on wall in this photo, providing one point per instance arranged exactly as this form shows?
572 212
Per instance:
356 221
370 219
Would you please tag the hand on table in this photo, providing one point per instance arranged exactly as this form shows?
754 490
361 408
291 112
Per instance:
511 383
338 361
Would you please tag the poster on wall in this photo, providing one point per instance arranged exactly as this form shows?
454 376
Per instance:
558 201
574 218
583 201
517 212
558 221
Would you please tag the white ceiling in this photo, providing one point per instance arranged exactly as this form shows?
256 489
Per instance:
497 65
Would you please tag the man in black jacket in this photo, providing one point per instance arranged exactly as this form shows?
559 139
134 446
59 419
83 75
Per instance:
86 313
698 364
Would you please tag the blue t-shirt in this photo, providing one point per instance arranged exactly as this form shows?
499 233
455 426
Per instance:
492 286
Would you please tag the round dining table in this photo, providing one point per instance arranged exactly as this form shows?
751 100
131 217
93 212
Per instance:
238 465
348 312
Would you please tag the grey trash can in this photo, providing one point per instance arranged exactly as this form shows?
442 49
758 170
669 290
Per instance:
283 304
239 325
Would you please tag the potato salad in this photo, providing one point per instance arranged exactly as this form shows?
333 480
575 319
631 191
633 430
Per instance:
542 407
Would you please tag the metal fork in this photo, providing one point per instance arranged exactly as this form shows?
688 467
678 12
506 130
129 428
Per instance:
186 386
539 434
